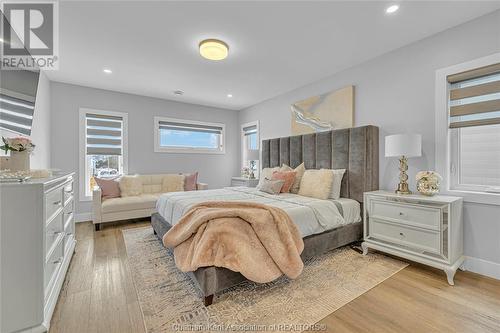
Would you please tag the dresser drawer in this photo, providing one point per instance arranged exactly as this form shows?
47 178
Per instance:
235 182
67 191
53 230
418 239
53 264
424 216
53 201
68 241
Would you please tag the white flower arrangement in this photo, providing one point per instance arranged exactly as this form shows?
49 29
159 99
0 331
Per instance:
17 144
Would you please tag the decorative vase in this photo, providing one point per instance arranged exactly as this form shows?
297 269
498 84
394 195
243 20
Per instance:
428 182
19 161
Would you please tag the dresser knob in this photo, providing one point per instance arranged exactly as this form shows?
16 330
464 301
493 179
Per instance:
58 261
401 234
401 213
57 203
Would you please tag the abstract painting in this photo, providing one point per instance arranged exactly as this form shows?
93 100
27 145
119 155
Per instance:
333 110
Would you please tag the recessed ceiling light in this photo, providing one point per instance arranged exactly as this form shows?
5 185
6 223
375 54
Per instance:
392 9
178 92
229 96
107 71
213 49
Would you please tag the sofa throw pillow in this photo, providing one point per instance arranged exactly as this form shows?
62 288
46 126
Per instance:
110 187
338 174
267 173
173 183
298 176
270 186
316 183
130 186
287 176
190 181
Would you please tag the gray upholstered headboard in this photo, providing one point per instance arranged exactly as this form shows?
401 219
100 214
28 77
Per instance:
353 149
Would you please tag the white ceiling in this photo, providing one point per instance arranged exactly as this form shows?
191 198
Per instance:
274 46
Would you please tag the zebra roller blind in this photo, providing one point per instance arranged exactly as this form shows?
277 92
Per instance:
185 127
474 98
104 134
16 114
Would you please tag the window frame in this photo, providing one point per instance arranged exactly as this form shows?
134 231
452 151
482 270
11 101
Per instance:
83 146
243 147
447 140
185 150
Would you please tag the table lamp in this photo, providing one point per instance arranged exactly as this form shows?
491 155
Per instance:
252 156
403 146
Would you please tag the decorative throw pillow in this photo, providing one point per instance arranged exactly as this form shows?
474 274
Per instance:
316 183
298 176
130 186
338 174
190 181
110 188
267 173
270 186
173 183
287 176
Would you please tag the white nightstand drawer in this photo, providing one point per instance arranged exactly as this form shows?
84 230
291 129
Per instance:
53 230
425 216
419 239
53 201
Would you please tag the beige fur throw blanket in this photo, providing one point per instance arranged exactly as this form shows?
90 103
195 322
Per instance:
259 241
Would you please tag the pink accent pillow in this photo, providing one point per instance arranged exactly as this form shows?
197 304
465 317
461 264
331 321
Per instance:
190 181
287 176
110 188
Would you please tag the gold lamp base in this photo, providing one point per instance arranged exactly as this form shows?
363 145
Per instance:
403 177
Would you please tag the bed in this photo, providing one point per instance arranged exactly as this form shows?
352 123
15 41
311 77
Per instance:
324 224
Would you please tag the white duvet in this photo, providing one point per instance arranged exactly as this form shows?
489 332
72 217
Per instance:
312 216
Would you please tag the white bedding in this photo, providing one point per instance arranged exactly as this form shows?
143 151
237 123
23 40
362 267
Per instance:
312 216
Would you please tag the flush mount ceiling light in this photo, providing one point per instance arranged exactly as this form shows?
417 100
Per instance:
213 49
178 92
392 9
229 96
107 71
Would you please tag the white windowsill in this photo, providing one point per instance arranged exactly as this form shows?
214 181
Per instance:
476 197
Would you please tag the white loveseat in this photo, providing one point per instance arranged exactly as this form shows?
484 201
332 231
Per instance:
130 207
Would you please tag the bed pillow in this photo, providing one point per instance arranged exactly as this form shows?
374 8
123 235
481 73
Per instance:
299 172
110 188
270 186
338 174
130 186
267 173
316 183
190 181
173 183
287 176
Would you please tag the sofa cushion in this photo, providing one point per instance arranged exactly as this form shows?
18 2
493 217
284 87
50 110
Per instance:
110 188
152 183
172 183
143 201
130 186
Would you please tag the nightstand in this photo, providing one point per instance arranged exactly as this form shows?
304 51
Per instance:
428 230
242 181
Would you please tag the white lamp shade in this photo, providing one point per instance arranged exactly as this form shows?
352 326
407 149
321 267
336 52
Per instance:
409 145
253 155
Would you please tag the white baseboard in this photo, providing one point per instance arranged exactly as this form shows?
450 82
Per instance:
483 267
83 217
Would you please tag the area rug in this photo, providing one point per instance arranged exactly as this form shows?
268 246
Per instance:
171 302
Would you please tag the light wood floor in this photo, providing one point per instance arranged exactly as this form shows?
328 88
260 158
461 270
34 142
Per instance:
98 296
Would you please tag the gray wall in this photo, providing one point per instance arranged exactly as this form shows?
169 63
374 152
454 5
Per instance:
396 92
40 133
214 169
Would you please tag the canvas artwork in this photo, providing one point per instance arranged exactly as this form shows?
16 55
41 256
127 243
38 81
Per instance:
333 110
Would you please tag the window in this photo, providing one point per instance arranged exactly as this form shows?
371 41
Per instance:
188 136
250 146
103 147
468 152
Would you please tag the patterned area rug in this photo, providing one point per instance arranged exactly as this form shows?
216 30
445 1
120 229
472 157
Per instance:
171 302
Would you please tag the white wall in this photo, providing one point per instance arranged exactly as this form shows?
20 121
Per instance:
40 133
214 169
396 92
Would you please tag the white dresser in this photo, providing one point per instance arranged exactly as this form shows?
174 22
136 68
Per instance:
242 181
428 230
36 242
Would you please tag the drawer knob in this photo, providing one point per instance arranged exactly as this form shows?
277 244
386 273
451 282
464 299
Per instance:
57 233
401 213
57 203
58 261
401 234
